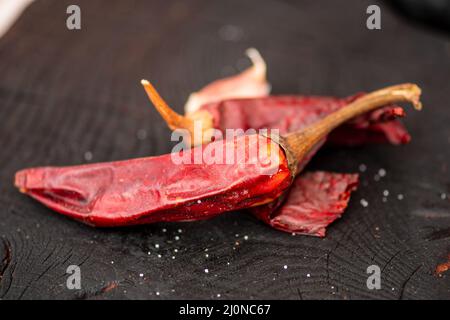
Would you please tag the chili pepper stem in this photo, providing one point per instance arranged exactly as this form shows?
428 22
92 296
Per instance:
173 119
259 65
299 144
177 121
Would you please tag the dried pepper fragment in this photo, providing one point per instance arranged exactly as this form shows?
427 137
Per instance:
314 201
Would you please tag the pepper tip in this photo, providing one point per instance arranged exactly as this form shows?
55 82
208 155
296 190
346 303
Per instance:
20 181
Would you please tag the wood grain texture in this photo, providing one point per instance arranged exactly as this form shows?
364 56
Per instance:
64 93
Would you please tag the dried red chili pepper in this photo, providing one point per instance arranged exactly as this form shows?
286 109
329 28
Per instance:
155 189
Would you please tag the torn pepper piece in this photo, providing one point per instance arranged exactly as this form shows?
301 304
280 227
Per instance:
155 189
314 201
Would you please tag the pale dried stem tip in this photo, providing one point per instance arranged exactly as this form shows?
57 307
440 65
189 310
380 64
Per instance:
251 82
259 65
298 144
173 119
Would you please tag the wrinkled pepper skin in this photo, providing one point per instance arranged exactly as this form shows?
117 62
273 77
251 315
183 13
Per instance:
292 113
153 189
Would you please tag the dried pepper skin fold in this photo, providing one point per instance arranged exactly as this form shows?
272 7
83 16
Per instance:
314 201
153 189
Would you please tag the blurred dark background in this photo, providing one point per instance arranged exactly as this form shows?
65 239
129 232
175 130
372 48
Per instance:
435 13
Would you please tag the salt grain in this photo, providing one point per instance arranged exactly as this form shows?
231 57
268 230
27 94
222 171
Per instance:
206 271
230 33
177 238
141 134
206 255
364 203
385 193
157 246
443 196
88 156
141 275
180 231
245 237
308 275
285 266
218 295
382 172
400 196
362 167
157 293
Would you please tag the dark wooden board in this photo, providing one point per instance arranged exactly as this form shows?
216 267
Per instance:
64 93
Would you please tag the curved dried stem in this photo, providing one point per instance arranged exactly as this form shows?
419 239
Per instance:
299 143
173 119
258 64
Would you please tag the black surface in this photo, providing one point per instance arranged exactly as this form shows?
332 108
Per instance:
64 93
